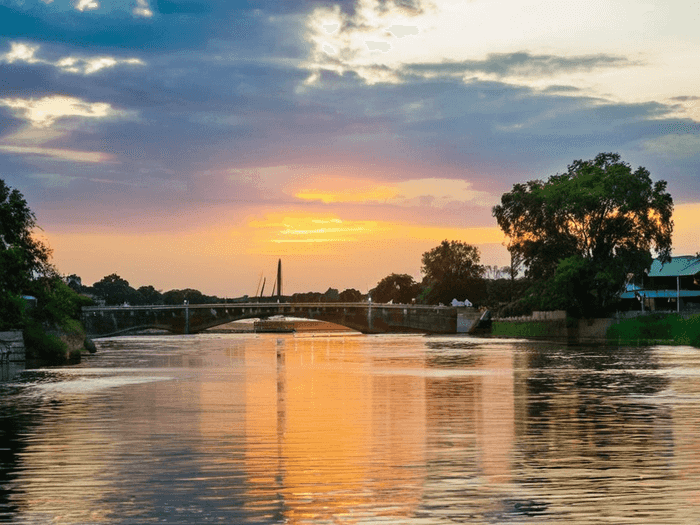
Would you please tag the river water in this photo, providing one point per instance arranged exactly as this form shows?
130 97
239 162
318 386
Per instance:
394 429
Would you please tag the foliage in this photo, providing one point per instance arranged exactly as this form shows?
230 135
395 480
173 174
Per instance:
399 288
115 290
12 310
331 296
176 297
452 270
656 329
57 302
350 295
42 345
150 295
581 233
25 269
22 257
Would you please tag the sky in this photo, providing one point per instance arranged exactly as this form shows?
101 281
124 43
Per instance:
192 143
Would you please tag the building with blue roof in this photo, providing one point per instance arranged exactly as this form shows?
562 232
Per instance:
674 285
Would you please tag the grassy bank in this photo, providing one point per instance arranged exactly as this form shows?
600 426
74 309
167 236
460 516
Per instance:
669 329
525 329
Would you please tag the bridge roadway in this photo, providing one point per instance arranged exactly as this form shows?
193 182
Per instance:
103 321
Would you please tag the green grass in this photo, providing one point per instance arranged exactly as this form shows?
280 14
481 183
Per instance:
525 328
669 329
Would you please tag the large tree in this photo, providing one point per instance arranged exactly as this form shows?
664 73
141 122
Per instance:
581 233
453 271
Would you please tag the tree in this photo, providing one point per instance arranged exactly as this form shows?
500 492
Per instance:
452 271
399 288
22 257
350 295
581 233
150 295
115 290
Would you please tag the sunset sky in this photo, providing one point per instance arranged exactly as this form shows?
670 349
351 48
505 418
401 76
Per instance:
192 143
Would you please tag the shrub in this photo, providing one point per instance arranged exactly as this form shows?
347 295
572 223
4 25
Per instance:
40 345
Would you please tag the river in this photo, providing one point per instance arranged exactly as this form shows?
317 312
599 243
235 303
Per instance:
344 429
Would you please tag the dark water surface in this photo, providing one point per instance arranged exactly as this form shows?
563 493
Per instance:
243 429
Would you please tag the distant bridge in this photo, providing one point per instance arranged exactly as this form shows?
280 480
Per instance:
103 321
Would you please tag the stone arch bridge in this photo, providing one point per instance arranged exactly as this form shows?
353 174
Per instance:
363 317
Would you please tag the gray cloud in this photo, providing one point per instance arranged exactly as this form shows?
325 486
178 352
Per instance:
520 64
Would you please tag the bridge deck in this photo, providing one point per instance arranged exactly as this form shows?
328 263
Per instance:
192 318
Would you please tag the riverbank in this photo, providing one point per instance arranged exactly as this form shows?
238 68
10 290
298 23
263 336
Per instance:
665 329
642 330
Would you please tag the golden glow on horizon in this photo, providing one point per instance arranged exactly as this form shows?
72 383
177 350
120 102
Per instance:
319 249
377 194
435 192
317 228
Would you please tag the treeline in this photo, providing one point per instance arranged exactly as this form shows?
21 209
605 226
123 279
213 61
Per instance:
113 290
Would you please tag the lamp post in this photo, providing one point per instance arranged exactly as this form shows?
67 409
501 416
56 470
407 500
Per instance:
187 317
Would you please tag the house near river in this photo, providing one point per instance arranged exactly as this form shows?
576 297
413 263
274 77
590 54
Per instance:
671 286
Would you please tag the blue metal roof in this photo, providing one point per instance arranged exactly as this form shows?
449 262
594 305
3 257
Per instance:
660 294
681 265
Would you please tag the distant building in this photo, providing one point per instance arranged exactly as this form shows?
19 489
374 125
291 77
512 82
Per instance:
674 286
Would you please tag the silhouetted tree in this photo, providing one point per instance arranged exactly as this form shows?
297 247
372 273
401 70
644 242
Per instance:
452 271
115 290
150 295
350 295
581 233
399 288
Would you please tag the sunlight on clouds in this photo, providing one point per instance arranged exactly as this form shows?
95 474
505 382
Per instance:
432 192
86 5
351 194
44 112
297 227
602 55
303 233
59 154
21 52
142 9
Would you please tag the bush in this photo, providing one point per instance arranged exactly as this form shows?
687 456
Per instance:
40 345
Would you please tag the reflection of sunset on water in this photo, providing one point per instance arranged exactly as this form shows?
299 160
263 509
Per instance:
263 429
331 430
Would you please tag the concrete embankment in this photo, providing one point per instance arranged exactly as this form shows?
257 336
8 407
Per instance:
12 346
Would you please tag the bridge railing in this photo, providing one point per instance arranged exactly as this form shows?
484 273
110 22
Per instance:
266 305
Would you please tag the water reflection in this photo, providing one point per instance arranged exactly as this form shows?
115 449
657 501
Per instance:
398 429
